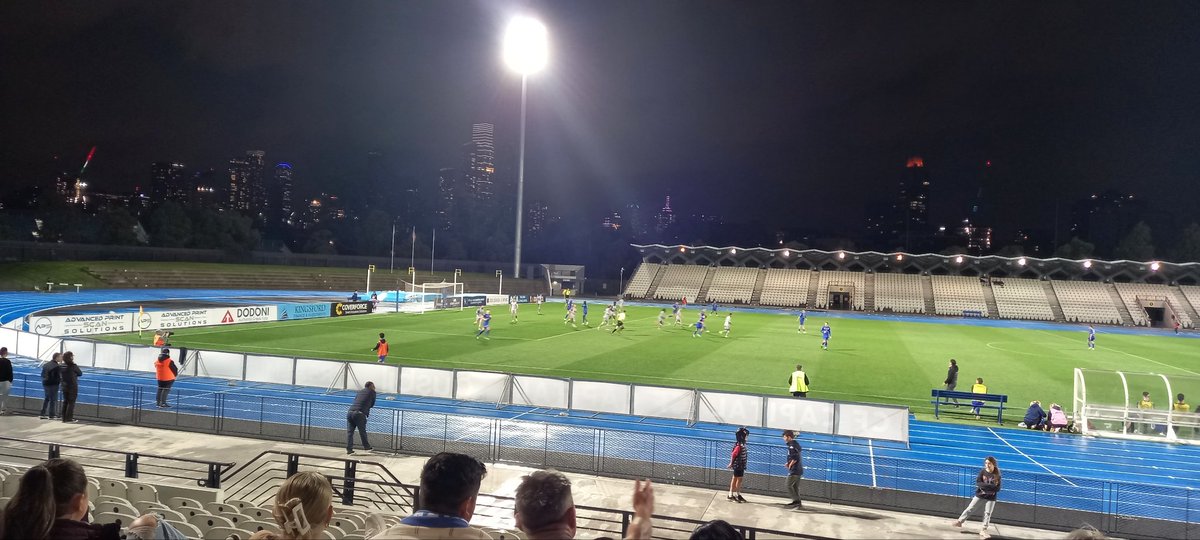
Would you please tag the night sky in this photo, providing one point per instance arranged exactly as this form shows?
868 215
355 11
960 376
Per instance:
795 113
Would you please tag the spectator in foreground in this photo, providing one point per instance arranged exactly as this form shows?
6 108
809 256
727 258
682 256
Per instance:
795 467
641 527
52 502
987 486
165 372
544 508
717 529
1035 416
51 379
6 379
303 508
737 462
449 487
70 386
356 416
151 527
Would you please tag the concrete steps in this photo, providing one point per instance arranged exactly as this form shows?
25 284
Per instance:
654 283
989 296
758 287
1052 299
1122 309
927 293
812 291
869 291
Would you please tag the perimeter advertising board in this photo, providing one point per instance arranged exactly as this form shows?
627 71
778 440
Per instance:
293 312
115 323
78 325
339 309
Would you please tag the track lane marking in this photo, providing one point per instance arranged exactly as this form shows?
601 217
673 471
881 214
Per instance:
1031 460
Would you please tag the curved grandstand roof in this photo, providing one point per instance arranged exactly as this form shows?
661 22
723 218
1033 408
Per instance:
926 263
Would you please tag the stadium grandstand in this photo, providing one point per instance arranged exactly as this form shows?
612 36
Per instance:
1148 294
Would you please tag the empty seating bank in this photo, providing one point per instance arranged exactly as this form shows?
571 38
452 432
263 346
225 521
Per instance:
1088 302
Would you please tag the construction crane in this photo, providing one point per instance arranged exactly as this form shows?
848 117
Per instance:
80 185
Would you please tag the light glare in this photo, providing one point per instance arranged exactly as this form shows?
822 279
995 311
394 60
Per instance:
525 45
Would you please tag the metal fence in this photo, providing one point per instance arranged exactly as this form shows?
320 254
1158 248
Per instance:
628 454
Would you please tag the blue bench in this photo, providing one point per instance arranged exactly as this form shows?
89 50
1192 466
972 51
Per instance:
989 401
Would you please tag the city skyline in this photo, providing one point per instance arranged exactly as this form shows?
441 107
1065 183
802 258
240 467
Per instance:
777 112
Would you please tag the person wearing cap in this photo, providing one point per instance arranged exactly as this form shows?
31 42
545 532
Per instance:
165 372
737 462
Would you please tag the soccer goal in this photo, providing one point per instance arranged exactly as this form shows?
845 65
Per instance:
422 297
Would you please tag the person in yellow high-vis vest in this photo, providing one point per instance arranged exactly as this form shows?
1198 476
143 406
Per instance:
798 382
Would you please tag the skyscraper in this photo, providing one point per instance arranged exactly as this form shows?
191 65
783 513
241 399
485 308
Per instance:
976 228
912 204
168 182
280 194
480 167
246 187
537 216
665 217
447 191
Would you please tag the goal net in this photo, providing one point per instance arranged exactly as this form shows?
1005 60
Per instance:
422 297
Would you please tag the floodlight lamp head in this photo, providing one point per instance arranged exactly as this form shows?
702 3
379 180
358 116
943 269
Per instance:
525 45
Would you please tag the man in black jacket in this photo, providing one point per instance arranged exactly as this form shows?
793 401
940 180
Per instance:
51 378
6 378
356 417
952 378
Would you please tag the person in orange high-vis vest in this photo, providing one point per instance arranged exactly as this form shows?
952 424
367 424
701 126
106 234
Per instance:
159 340
165 372
381 348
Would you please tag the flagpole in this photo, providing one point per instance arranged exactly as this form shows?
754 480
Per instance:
392 263
412 260
432 251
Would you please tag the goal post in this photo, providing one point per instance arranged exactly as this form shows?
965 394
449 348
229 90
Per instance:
422 297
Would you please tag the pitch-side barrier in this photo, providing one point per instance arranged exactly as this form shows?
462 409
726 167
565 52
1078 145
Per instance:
854 420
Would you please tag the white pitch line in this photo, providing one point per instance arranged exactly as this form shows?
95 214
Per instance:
1031 460
1132 355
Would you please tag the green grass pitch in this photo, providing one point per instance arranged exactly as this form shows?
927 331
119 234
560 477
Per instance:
871 360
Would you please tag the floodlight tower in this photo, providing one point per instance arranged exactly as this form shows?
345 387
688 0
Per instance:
525 52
